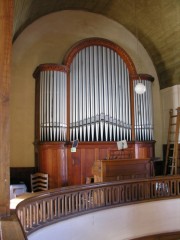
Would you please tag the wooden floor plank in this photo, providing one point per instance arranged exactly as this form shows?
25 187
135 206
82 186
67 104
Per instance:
10 228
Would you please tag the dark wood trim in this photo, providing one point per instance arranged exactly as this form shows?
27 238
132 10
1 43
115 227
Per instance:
49 67
161 236
100 42
144 76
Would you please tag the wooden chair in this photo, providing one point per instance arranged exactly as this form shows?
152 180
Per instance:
39 182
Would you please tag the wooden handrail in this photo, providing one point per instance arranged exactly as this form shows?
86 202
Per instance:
55 205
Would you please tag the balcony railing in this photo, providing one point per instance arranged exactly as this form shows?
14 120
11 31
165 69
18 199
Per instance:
55 205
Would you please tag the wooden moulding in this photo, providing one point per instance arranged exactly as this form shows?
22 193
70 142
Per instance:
6 26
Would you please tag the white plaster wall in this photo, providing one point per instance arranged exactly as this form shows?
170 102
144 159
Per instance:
120 223
46 41
170 100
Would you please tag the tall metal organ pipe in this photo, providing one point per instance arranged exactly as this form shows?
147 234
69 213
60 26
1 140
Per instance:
99 84
99 99
52 80
143 113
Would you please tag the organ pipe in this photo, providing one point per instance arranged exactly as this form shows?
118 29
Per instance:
104 93
52 81
100 101
143 113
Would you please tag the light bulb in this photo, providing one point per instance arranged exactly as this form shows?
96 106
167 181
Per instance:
140 88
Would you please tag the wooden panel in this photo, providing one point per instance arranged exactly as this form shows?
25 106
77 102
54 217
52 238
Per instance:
113 170
81 162
127 153
53 161
6 26
10 228
161 236
144 149
72 168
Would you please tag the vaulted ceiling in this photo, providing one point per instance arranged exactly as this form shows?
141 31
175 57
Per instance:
156 23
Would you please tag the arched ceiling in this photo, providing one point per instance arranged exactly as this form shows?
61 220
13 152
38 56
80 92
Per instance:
156 23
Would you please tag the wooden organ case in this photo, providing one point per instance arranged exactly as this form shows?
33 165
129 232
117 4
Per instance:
90 98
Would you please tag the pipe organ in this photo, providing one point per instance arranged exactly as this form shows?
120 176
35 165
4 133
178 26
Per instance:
91 98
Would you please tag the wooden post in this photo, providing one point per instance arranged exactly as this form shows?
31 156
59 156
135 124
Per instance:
6 23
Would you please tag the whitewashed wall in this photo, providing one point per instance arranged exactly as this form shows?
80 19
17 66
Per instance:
121 223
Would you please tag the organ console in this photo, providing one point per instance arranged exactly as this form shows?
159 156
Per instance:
122 164
90 98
